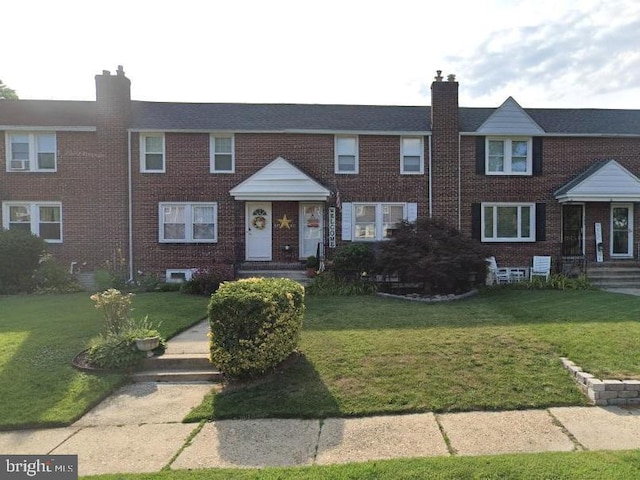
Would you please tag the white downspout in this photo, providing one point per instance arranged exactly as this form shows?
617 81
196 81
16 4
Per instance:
130 204
430 182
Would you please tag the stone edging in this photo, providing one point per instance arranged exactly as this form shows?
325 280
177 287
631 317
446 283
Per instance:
604 392
433 299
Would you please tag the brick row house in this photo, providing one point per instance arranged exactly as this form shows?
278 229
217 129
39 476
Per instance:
172 187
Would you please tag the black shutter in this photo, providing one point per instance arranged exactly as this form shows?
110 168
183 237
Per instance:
541 234
537 155
476 218
480 155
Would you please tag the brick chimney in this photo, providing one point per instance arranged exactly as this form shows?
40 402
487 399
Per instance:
113 119
445 147
113 97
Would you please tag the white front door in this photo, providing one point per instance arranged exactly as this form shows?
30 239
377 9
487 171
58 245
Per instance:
622 230
258 231
311 228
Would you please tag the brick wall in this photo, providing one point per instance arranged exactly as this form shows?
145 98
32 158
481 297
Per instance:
563 159
187 178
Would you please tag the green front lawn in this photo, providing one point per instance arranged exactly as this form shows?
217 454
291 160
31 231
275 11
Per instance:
40 335
500 350
541 466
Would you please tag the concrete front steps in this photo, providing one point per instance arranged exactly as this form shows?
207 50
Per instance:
293 271
614 274
181 367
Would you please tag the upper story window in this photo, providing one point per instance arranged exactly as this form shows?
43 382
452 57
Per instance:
508 156
31 152
43 219
152 153
222 154
411 155
182 222
508 222
346 148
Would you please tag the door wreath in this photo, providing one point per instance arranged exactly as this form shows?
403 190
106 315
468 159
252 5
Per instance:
259 222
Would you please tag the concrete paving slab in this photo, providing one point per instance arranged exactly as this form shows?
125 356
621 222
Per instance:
251 443
192 340
601 428
378 438
130 448
488 433
147 402
33 442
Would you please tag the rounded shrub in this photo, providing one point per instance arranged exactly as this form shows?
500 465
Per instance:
20 253
255 324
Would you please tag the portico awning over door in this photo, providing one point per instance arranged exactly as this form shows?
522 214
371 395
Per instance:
604 181
280 181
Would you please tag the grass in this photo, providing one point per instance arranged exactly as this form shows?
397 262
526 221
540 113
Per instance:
40 335
575 465
368 355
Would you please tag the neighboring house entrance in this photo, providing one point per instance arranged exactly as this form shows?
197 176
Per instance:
572 230
258 231
622 230
311 228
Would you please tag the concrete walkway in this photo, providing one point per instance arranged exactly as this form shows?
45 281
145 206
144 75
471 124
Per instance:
139 429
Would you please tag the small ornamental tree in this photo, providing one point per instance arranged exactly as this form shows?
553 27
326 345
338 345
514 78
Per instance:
434 255
255 324
20 254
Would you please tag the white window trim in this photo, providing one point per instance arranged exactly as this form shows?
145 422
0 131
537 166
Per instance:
378 221
188 274
519 239
34 213
188 224
212 152
402 155
507 155
33 151
357 155
143 153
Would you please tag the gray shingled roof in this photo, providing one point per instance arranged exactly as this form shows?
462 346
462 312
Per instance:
48 113
307 117
279 117
574 121
577 180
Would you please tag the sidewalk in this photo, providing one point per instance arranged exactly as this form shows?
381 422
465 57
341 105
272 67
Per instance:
138 429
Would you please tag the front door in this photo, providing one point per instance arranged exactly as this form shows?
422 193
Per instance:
622 230
572 230
258 231
311 228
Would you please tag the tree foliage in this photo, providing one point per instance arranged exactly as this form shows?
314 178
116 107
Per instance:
7 93
20 254
434 255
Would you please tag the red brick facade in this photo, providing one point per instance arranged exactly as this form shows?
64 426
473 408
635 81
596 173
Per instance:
111 209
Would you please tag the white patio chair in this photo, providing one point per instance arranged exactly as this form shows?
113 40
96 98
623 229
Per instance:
541 267
496 274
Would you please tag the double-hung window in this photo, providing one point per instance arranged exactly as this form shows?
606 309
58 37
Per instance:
31 152
222 153
508 156
346 154
152 153
43 219
411 155
508 222
182 222
374 221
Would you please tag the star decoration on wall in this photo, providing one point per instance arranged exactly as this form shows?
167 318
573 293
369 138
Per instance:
284 222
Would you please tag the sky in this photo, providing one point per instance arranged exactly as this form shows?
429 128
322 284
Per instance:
543 53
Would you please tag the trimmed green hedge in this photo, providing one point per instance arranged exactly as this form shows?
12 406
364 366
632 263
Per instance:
255 324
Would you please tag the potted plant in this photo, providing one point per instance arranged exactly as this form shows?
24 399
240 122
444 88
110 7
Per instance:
312 265
145 335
